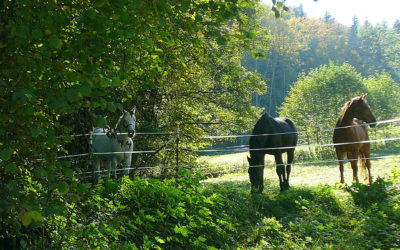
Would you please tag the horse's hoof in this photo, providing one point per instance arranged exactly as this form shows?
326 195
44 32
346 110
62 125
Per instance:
256 191
284 188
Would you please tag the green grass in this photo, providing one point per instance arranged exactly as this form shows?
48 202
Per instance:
311 174
317 212
312 215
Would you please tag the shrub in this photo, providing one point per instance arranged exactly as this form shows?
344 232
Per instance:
170 214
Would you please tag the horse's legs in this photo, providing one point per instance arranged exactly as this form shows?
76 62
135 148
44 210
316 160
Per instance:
128 158
353 158
96 170
365 151
109 167
114 164
290 157
340 156
280 170
127 165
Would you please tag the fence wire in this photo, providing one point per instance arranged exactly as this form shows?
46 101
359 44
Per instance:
297 132
242 148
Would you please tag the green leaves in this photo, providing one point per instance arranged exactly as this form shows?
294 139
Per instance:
63 187
323 91
55 43
279 8
174 213
72 65
185 5
5 154
11 167
27 217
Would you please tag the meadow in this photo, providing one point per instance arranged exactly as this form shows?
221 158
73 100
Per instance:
310 174
317 212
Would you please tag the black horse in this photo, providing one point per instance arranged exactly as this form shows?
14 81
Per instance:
272 136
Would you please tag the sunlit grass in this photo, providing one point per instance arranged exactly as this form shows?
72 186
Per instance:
309 175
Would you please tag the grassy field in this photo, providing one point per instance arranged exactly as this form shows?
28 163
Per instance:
316 213
304 172
310 175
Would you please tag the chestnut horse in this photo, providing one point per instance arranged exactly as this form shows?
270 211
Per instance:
273 136
350 129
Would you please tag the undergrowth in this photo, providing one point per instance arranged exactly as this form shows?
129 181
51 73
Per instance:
185 213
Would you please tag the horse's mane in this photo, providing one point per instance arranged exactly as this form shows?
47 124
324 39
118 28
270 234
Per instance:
343 112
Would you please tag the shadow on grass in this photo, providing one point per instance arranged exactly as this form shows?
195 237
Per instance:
276 220
250 209
366 195
378 206
314 217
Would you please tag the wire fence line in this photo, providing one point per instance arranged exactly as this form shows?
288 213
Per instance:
237 136
119 133
244 166
291 147
227 168
241 148
233 167
297 132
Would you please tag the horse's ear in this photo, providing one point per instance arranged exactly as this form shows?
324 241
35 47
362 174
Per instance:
133 111
362 96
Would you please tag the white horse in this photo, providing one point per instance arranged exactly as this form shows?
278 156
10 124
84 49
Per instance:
112 146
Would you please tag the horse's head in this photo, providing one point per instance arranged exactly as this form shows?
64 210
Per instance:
127 122
362 111
256 174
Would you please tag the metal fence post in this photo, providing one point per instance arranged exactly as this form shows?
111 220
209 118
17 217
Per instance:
177 147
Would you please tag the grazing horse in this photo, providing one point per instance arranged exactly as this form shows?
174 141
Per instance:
112 146
272 136
350 130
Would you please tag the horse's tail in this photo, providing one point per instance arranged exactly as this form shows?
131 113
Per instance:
362 164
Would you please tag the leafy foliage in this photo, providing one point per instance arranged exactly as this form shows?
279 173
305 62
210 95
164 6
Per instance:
68 66
174 213
384 95
315 111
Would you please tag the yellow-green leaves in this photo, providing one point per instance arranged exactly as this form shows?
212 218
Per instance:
27 217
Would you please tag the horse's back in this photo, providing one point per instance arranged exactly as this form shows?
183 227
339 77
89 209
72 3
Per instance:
102 143
288 130
280 132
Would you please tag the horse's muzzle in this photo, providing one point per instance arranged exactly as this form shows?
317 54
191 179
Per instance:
131 133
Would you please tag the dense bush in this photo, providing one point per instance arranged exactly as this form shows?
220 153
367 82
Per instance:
68 66
184 213
150 214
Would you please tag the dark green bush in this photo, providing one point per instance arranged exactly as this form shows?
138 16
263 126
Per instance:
151 214
171 214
